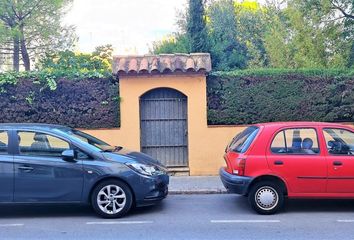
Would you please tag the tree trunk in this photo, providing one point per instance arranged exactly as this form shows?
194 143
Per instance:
24 51
25 56
16 54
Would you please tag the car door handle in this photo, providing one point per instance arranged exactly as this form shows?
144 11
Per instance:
278 162
337 163
26 168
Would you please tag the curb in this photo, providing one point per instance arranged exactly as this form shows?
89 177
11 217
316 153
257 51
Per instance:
197 191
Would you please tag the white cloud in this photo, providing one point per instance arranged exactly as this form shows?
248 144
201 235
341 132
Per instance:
130 25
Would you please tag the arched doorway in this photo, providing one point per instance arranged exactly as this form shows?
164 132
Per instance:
163 126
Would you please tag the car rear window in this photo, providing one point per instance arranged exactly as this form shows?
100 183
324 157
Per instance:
243 140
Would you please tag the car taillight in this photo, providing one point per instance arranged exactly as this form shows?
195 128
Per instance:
241 164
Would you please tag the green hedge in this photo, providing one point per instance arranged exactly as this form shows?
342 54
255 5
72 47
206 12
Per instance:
90 99
77 99
267 95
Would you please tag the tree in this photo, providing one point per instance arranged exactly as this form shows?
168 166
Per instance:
176 43
33 27
345 7
227 51
105 54
299 36
99 60
283 33
278 42
335 12
196 29
251 20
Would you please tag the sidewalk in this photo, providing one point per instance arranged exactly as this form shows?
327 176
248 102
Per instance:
196 185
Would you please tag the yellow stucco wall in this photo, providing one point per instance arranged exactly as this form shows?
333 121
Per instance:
205 151
206 145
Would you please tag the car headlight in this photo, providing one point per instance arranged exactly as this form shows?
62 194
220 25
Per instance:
145 169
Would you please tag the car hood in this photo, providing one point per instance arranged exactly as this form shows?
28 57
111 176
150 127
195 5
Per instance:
132 156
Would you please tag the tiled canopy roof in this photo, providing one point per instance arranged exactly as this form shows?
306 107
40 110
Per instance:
163 63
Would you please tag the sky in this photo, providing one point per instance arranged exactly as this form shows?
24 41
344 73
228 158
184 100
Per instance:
129 25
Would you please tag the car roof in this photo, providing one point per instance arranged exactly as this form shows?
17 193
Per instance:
33 126
300 123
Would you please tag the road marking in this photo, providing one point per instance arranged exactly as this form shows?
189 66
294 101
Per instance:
12 225
119 222
346 220
244 221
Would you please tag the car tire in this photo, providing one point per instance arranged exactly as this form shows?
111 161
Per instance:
266 197
112 199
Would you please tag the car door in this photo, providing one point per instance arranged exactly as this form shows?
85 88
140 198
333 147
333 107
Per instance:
6 168
41 173
340 158
295 155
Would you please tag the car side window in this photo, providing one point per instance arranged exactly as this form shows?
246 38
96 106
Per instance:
302 141
339 141
4 142
41 144
81 154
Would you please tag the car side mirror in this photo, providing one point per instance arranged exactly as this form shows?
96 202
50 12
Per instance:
68 155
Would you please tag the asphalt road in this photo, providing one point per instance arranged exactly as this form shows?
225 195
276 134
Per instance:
218 216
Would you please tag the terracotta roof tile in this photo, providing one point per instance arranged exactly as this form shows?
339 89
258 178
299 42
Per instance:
144 66
190 65
164 63
153 65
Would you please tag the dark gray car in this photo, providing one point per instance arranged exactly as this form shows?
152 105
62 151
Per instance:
42 163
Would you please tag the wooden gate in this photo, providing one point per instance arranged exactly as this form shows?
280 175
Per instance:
163 126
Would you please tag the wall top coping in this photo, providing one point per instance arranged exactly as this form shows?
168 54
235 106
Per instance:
162 64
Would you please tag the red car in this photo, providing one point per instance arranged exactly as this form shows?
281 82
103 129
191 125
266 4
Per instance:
270 161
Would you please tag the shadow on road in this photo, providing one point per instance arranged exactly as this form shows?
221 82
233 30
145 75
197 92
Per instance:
193 203
43 211
319 205
30 211
305 205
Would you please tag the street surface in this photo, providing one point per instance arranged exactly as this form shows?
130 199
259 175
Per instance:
216 216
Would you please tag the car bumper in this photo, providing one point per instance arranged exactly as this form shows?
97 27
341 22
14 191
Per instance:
234 183
156 189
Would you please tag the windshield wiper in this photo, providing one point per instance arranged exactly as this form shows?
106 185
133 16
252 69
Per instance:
113 149
117 148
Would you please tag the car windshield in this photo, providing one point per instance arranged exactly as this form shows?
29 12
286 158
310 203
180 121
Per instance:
243 140
95 142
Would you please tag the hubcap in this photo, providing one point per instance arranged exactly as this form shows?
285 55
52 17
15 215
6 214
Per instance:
111 199
266 198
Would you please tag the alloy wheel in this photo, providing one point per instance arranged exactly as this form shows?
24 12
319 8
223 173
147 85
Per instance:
111 199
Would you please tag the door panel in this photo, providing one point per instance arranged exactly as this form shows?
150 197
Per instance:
6 178
46 179
302 165
6 169
303 174
340 174
163 123
41 175
340 159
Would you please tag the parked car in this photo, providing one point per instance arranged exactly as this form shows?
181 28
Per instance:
42 163
268 162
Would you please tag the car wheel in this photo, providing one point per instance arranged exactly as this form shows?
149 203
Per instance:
112 199
266 197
